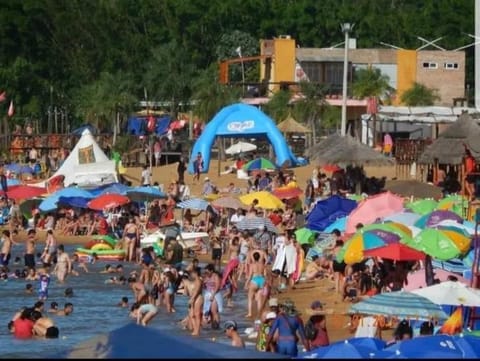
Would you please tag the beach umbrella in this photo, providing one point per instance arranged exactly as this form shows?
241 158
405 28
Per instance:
339 223
197 204
240 147
413 188
28 205
400 304
287 192
13 182
437 347
78 202
255 223
442 244
259 164
211 197
116 188
228 202
305 236
433 218
452 293
13 167
406 218
369 237
129 342
465 227
327 211
25 191
108 201
50 202
266 200
145 194
25 169
374 208
330 168
338 350
456 203
357 197
373 343
422 206
396 252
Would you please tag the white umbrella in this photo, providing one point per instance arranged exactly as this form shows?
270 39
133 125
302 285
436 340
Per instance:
451 293
240 147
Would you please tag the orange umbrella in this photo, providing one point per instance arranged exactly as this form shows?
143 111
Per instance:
287 192
331 168
454 324
108 201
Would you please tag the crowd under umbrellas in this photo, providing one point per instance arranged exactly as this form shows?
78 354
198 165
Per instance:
266 222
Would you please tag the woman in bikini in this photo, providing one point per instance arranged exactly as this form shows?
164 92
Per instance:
130 235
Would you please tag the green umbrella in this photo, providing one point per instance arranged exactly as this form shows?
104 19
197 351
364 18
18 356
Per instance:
422 206
455 203
442 244
258 164
305 235
30 204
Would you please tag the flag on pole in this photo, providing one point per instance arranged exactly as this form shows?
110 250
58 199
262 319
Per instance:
11 109
3 96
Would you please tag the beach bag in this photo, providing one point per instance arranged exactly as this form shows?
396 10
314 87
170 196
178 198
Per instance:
310 330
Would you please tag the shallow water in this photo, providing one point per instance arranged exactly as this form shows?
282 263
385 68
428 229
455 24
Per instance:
95 311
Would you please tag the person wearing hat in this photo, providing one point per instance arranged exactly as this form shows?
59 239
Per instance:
207 187
290 330
263 331
231 330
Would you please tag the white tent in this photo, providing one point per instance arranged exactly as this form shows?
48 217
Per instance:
87 164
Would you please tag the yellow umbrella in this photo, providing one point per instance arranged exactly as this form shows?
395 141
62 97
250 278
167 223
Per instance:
211 197
266 200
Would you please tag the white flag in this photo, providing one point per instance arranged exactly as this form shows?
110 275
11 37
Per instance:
239 51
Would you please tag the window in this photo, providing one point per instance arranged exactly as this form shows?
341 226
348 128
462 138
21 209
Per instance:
450 66
430 65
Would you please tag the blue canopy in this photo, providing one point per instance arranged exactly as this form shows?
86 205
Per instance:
327 211
138 342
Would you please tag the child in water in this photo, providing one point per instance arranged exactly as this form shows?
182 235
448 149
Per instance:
44 281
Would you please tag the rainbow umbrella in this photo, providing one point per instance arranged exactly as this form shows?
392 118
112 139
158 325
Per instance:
433 218
370 237
422 206
454 203
442 244
259 164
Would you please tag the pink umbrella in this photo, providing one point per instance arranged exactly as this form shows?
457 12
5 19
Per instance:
373 208
417 279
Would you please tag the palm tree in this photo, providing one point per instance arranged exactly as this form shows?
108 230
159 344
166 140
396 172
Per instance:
278 106
419 95
371 83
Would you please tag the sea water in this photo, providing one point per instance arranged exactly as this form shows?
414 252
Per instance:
95 310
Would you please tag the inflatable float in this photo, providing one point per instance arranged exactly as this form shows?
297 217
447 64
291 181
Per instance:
103 247
187 240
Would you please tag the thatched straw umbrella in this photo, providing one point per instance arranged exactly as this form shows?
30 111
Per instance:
323 145
449 147
337 149
290 125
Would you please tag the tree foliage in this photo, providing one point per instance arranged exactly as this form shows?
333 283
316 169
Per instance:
80 47
419 95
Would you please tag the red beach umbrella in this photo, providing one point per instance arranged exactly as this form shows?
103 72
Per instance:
108 201
25 192
396 252
287 192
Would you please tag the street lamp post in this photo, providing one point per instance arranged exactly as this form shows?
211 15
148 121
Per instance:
239 52
346 28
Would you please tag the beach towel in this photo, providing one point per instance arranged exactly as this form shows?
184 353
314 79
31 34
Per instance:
288 254
229 268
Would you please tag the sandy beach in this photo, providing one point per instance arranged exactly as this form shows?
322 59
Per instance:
304 292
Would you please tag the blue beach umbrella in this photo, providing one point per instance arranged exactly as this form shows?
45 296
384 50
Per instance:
339 350
339 223
144 194
12 182
13 167
50 203
194 203
116 188
78 202
438 346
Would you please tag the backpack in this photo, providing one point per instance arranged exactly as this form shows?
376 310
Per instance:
310 330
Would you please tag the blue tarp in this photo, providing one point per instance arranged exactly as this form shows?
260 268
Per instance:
137 342
327 211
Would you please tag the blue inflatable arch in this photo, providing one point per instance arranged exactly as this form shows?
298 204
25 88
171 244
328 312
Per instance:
242 121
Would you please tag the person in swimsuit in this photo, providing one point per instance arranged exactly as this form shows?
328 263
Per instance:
64 264
30 249
49 254
44 282
256 279
44 326
169 286
213 298
195 303
147 278
130 235
143 313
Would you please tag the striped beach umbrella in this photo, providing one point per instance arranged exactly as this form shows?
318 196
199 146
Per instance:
255 223
259 164
197 204
401 304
